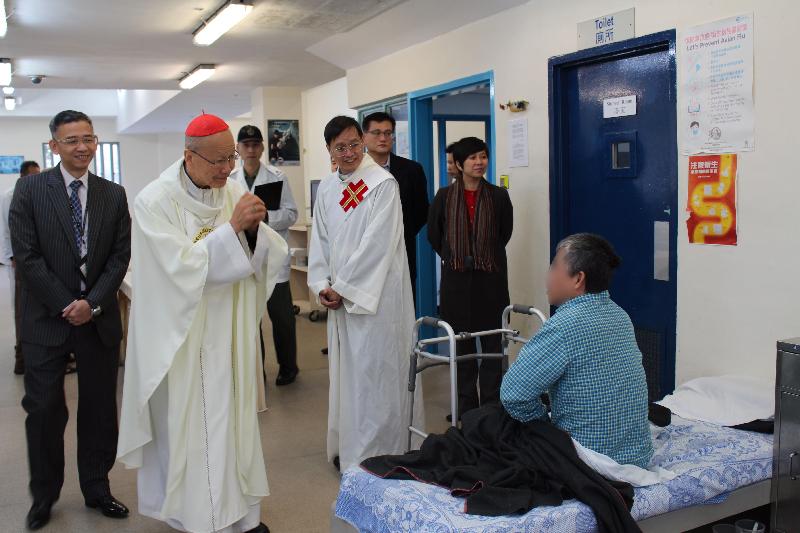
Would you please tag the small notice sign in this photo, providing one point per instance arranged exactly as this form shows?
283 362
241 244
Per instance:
607 29
622 106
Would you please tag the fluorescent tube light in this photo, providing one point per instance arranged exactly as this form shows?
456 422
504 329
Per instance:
223 19
3 23
197 76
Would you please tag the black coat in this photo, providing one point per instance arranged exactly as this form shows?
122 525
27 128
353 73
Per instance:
414 199
502 466
472 300
48 258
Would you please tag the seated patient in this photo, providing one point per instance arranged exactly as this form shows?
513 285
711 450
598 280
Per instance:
586 358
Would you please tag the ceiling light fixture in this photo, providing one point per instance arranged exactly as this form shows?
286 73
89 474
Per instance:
3 23
11 103
8 91
226 17
198 75
5 72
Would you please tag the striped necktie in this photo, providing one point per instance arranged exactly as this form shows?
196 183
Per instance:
77 214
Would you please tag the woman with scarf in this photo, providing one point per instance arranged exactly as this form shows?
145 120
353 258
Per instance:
469 226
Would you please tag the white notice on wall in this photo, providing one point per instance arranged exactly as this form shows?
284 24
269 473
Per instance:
623 106
518 142
716 91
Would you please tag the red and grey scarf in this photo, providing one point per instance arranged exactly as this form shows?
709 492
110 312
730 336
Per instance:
476 239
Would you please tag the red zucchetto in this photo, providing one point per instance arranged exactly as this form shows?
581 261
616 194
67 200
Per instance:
205 125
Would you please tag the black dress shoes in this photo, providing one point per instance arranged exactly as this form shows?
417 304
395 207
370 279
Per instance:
286 378
109 506
260 528
39 515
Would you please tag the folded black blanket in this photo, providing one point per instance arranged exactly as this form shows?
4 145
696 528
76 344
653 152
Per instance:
502 466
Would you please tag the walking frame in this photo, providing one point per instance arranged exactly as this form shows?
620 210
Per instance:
422 359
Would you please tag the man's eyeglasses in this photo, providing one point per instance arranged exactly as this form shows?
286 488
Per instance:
385 133
352 147
88 140
230 160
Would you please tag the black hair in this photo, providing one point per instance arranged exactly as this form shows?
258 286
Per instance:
450 147
337 125
66 117
695 123
466 147
592 255
26 166
378 116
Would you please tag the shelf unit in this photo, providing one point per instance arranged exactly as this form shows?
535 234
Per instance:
300 237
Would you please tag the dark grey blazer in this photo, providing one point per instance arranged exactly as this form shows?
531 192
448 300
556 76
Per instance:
48 258
410 176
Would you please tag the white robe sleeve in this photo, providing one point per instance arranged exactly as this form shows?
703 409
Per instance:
5 235
261 253
361 279
319 269
229 258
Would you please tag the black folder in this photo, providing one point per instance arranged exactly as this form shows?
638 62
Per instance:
270 194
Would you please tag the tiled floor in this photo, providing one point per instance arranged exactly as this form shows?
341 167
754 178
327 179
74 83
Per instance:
303 485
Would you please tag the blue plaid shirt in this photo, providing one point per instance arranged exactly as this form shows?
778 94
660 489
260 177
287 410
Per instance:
586 358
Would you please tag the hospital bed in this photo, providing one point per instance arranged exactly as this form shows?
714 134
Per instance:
720 471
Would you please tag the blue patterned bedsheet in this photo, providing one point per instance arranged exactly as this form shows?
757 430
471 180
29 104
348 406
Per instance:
710 461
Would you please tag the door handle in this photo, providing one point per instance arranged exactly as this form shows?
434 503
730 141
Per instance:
661 250
792 474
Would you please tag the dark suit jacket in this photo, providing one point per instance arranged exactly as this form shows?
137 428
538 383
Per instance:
48 258
414 197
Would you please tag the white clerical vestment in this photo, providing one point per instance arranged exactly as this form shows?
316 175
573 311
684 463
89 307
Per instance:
357 249
189 406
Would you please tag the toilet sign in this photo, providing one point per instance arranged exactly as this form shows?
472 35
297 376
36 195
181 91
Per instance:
607 29
623 106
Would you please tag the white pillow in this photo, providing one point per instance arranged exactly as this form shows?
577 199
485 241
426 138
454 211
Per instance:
724 400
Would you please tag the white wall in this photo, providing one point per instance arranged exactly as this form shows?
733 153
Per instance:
733 302
281 103
139 154
134 105
319 105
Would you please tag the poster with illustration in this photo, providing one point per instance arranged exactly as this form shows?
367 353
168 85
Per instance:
712 199
283 141
717 87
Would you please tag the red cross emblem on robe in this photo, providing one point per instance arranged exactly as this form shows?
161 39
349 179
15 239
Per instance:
353 194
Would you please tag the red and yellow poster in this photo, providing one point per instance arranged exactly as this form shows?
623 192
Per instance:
712 199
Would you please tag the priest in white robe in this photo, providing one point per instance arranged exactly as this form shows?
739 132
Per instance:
358 268
203 267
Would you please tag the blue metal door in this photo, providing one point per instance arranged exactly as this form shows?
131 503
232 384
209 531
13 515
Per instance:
614 173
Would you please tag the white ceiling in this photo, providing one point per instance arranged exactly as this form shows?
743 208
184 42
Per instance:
40 103
147 45
419 21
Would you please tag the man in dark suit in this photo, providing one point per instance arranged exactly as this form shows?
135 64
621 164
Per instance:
379 130
70 233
